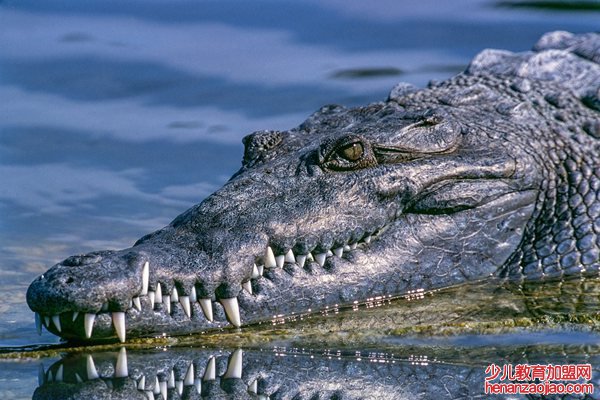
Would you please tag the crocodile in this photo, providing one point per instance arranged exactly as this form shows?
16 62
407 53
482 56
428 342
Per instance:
494 172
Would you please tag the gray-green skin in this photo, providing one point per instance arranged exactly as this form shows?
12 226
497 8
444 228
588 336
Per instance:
493 172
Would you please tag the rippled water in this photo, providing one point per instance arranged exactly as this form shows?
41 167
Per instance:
117 116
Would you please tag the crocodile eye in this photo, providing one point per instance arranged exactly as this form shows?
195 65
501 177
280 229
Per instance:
348 153
352 152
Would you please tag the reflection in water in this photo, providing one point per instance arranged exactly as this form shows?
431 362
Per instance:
189 373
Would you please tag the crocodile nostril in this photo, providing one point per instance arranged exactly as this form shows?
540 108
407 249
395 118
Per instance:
69 280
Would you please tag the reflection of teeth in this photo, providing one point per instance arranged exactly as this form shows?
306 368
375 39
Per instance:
118 318
121 366
88 324
232 311
210 373
206 306
185 304
56 321
234 368
145 279
38 323
92 373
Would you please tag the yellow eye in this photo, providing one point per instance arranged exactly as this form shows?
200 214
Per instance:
352 152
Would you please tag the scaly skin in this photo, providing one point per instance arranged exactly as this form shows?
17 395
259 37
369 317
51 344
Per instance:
493 172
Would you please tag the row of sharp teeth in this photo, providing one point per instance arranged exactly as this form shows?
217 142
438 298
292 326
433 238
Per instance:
230 305
157 386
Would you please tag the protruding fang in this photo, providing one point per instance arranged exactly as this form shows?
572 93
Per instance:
151 297
211 371
158 296
56 321
121 366
142 383
247 286
38 324
145 278
167 303
310 257
118 318
59 374
156 386
253 387
367 240
171 382
206 306
320 258
261 269
163 389
174 295
234 368
279 261
88 324
329 253
75 315
232 311
92 373
198 385
338 252
301 259
137 304
269 258
255 273
179 386
289 257
193 295
189 376
185 304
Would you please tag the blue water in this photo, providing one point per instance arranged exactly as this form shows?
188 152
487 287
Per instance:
117 116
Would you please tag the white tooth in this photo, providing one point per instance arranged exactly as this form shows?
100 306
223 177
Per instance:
38 323
193 295
156 386
320 258
353 246
47 321
41 375
210 373
289 257
163 389
232 311
367 240
151 297
118 318
338 252
255 273
171 383
301 259
234 368
121 370
206 306
261 269
137 304
279 261
56 321
179 386
92 373
310 257
158 296
142 383
149 395
174 295
167 303
88 324
189 376
78 378
145 278
347 248
247 286
253 387
75 315
329 253
198 384
269 258
185 303
59 374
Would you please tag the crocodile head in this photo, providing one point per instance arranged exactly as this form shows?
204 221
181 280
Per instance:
429 189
